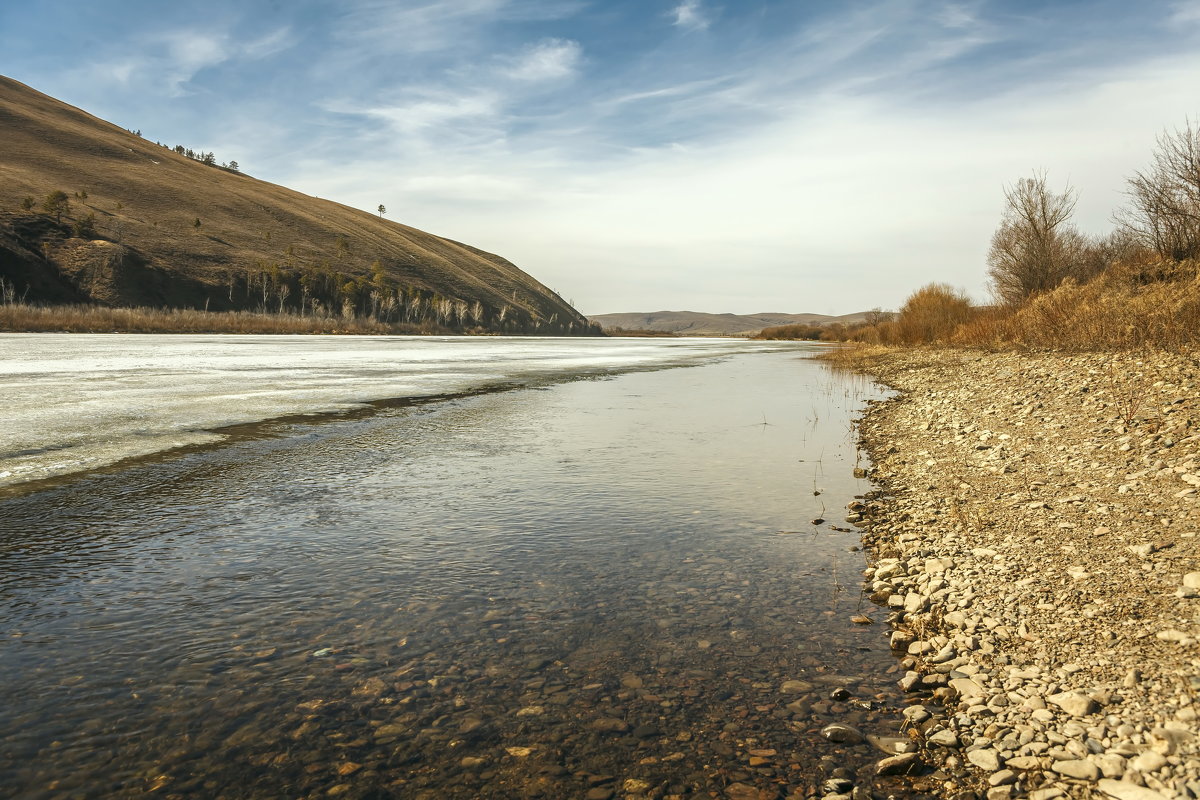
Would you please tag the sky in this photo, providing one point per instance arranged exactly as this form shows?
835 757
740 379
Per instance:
637 155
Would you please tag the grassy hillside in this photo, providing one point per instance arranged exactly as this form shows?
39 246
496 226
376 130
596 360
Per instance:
146 226
695 323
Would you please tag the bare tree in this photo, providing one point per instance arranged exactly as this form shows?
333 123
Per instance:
1036 246
1166 198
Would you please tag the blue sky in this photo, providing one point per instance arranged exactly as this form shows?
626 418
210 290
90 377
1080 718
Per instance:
636 156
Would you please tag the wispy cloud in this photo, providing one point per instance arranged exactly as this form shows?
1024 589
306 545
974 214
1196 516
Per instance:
549 59
437 111
1186 12
171 59
690 15
957 15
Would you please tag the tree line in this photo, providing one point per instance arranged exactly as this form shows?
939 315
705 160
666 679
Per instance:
1054 286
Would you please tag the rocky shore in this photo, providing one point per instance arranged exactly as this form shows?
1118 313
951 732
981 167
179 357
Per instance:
1034 535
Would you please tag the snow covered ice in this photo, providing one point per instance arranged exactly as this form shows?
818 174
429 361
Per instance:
74 402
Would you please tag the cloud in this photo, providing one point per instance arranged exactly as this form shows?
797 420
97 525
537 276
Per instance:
549 59
440 27
436 111
169 60
1185 12
187 53
956 15
836 207
689 15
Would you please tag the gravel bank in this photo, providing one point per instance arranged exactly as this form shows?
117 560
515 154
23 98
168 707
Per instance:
1034 534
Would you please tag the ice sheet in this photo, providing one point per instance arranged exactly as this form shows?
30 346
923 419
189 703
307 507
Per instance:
74 402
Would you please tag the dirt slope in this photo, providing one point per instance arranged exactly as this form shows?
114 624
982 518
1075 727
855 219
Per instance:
257 245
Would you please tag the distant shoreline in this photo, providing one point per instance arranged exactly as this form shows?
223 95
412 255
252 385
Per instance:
28 318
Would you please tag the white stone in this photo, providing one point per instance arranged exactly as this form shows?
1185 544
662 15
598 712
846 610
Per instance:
1126 791
1048 793
936 566
1078 769
944 738
966 687
1074 703
1149 761
985 758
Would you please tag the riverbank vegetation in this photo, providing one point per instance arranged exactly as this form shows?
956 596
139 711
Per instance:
17 317
1054 287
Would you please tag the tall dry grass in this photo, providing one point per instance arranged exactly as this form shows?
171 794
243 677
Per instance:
1126 307
27 318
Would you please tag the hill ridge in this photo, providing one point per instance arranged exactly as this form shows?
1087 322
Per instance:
149 226
702 323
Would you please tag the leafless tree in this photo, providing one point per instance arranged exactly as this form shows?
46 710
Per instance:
1036 246
1166 197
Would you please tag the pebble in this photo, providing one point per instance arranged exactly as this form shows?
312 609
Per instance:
842 734
1074 703
985 758
900 764
1037 561
1078 769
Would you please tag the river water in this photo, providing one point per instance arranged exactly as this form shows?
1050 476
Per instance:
599 577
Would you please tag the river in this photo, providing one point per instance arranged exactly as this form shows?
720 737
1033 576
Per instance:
430 568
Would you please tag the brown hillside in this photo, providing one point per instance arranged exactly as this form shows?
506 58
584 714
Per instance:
258 245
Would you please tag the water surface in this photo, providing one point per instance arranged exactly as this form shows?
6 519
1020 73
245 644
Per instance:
541 592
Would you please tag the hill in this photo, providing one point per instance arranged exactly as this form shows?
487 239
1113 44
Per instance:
143 225
698 323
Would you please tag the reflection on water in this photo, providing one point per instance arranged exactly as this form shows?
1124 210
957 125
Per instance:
603 587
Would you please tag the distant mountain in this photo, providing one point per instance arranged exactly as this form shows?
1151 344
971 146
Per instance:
138 223
698 323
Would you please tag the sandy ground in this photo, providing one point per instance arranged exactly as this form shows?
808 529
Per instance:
1035 537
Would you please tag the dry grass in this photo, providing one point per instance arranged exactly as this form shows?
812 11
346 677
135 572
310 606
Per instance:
1127 307
25 318
857 356
1131 306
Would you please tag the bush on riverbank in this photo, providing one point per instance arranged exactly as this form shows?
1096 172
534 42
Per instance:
1137 287
809 333
1127 306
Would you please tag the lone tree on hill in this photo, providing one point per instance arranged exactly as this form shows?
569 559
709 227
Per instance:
382 210
1166 198
57 203
85 228
1036 246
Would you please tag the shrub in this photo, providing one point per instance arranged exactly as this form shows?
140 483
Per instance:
1036 247
1166 198
56 203
798 331
85 228
931 314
